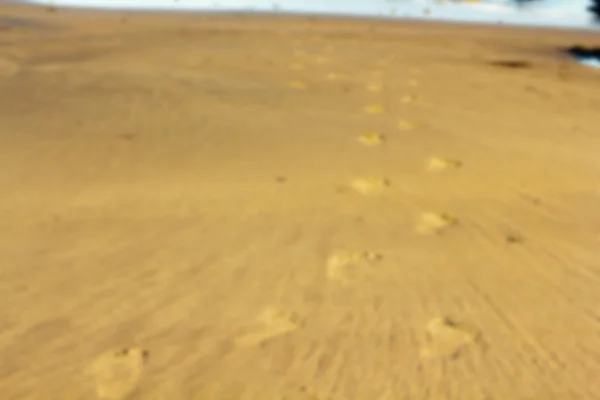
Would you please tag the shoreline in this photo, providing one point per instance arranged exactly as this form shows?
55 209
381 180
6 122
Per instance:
352 17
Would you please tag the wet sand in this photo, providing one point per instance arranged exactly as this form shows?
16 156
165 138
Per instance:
248 207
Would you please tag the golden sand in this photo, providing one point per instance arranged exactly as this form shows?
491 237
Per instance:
173 209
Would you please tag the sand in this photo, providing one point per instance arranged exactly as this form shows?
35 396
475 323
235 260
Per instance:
224 207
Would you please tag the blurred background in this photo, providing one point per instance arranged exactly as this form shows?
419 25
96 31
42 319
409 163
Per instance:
561 13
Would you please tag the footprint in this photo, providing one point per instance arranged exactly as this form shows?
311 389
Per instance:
117 373
299 53
432 223
409 98
446 338
297 85
439 164
375 87
8 67
371 139
370 186
374 109
405 125
269 324
332 76
347 266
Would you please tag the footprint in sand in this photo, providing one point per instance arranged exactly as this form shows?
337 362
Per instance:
435 164
269 324
333 76
432 223
370 186
409 98
297 85
8 67
347 266
383 62
299 53
374 109
371 139
374 87
445 338
117 373
405 125
320 60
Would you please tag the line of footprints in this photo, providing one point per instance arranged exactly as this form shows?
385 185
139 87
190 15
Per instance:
117 373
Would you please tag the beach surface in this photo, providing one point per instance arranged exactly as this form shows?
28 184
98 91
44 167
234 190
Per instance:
240 207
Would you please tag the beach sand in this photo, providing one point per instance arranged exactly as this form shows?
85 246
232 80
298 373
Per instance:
228 207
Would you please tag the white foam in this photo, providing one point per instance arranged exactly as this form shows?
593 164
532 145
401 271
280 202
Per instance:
590 61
